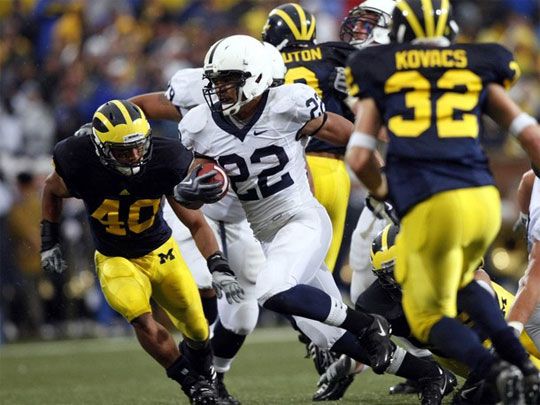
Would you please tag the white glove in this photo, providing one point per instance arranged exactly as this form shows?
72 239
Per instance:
382 210
338 370
223 279
52 260
225 283
340 82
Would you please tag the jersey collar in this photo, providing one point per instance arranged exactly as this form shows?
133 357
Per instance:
225 123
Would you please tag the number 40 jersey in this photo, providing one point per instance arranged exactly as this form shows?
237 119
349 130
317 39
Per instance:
265 158
431 100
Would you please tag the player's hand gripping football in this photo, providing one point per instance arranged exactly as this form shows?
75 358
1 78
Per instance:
223 279
199 188
52 260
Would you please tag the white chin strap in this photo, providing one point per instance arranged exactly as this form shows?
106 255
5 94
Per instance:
128 171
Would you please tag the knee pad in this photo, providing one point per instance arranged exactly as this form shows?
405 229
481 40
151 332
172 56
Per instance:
240 318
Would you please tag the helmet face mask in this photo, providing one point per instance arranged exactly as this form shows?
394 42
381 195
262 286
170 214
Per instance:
122 137
368 23
289 25
238 71
423 21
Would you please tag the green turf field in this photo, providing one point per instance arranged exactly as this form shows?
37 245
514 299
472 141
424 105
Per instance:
270 369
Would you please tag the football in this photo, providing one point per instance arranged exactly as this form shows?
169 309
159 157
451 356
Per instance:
220 176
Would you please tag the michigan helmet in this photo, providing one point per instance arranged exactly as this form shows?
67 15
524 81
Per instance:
417 20
238 61
368 23
383 256
278 66
289 25
122 136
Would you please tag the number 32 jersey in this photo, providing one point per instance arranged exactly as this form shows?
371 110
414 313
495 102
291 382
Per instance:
431 100
265 159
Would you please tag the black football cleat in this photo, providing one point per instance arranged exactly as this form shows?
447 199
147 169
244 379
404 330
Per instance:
376 341
505 381
223 396
202 392
434 389
322 358
404 388
531 383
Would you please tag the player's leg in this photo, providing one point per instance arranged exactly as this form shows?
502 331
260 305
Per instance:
367 228
429 267
127 288
236 320
294 256
174 289
194 261
332 188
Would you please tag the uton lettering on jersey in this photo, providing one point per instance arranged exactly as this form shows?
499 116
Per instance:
431 58
304 55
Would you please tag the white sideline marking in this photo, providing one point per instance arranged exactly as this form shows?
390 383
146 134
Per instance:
119 344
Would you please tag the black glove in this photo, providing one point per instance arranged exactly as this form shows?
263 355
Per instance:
51 254
84 130
382 209
196 188
223 279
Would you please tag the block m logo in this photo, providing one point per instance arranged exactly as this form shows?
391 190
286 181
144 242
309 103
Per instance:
163 257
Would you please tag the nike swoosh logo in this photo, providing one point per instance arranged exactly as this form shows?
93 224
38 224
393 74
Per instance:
255 133
382 332
443 388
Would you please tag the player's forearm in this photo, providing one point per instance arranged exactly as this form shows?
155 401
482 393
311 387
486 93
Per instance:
54 192
525 190
205 240
528 295
156 106
336 130
366 166
51 206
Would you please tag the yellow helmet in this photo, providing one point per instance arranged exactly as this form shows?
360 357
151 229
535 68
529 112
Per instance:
118 127
383 256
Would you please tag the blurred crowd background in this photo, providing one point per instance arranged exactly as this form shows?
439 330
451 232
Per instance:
61 59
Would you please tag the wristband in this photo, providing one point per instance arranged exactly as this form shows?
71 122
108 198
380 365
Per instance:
217 262
521 122
362 140
50 234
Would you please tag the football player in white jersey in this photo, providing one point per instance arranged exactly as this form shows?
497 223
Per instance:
525 311
257 134
226 218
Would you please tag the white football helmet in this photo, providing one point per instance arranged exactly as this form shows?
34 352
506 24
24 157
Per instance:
240 61
278 66
360 29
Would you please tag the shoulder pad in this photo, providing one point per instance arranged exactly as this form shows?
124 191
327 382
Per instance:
196 119
287 96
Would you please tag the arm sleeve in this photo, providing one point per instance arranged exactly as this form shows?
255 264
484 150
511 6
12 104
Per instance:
65 167
306 104
506 70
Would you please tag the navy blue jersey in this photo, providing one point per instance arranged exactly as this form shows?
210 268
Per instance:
124 212
315 66
431 100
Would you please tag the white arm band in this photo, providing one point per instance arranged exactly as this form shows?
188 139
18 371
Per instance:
519 123
361 140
